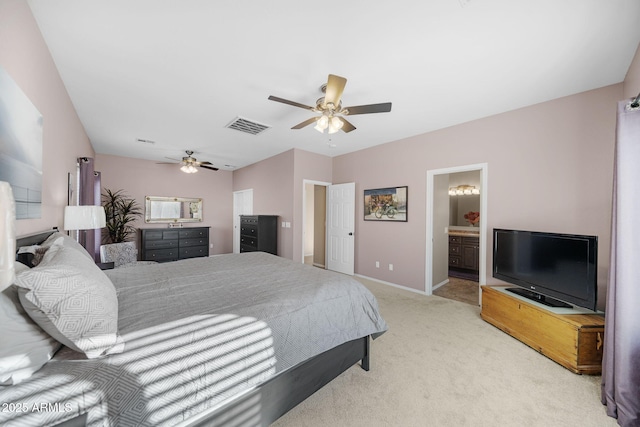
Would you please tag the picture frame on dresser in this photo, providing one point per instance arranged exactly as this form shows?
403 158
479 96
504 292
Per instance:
386 204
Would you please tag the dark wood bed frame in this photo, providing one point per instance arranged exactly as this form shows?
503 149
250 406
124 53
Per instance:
276 396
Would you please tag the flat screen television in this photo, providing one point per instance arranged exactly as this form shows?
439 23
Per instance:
551 268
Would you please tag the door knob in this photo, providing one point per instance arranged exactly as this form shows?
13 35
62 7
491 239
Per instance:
350 234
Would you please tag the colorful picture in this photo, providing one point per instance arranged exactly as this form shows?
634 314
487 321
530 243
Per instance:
385 204
20 148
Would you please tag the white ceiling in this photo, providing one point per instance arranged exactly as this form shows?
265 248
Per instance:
178 71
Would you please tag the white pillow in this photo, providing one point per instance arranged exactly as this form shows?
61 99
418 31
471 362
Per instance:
72 300
24 346
38 251
56 238
70 242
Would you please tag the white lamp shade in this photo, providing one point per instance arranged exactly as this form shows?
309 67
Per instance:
7 235
84 217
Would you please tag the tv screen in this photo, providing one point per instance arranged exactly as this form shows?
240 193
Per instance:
560 266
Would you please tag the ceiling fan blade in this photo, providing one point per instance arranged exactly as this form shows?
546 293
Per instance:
205 163
347 126
306 123
168 163
286 101
171 158
371 108
335 87
209 167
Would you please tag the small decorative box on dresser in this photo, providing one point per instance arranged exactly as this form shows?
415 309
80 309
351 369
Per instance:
573 340
259 233
172 244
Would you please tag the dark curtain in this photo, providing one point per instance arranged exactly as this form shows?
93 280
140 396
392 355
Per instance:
621 359
89 194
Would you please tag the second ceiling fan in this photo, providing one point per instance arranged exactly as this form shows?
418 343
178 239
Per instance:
330 107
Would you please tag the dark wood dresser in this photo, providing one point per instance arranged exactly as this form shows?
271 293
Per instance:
172 244
259 233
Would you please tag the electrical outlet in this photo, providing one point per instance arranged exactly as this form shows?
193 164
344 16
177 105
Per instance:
284 224
211 245
390 267
377 264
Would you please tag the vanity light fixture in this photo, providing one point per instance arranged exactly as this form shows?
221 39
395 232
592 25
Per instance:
463 190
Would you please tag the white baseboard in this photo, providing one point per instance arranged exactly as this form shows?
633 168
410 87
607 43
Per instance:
395 285
444 282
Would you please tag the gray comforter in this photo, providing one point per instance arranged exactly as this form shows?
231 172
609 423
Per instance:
196 333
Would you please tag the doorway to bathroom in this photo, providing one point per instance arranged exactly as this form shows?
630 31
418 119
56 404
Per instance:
456 230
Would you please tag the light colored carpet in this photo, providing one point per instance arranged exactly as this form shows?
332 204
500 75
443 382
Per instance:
440 364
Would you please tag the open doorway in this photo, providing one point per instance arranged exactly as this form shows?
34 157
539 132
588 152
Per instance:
456 228
314 223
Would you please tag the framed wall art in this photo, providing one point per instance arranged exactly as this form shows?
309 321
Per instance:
20 148
386 204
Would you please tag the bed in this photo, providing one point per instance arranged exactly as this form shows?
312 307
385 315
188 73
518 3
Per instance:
235 339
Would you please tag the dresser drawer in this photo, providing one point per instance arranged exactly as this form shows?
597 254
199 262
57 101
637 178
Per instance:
194 233
193 242
455 239
247 248
194 251
161 244
160 234
454 249
162 255
153 234
454 261
248 229
249 241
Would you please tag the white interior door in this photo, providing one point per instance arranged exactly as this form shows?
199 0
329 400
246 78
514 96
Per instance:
242 205
340 227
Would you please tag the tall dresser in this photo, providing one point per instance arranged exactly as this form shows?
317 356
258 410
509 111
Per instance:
172 244
259 233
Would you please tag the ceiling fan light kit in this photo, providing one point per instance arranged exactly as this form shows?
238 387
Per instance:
330 106
189 168
190 164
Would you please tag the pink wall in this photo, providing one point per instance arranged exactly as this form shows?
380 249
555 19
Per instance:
140 178
272 183
550 168
25 56
277 184
313 167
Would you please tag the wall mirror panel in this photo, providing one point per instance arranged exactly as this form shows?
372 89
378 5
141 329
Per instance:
172 209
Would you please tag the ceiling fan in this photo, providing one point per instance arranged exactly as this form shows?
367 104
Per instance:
191 164
331 109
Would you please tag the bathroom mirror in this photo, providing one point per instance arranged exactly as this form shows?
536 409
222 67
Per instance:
172 209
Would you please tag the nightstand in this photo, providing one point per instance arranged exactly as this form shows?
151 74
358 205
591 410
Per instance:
105 265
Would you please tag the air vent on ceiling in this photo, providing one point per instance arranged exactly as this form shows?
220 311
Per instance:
247 126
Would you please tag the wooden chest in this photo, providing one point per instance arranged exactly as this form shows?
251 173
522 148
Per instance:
575 340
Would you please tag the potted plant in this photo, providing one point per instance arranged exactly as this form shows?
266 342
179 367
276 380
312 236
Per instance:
121 212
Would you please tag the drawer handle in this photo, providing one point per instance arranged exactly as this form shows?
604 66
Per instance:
599 343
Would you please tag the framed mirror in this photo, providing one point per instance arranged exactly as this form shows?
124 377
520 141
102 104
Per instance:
172 209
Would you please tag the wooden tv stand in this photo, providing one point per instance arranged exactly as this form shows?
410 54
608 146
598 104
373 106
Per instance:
573 340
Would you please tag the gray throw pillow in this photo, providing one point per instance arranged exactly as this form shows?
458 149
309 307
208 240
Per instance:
73 301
